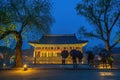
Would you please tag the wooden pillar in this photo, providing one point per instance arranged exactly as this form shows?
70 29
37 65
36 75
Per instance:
34 56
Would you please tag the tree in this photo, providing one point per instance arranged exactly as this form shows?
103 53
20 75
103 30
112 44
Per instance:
7 52
23 16
105 17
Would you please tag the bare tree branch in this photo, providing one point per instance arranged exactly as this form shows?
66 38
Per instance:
117 42
13 5
115 20
101 13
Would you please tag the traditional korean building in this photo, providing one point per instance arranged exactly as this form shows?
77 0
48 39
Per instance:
48 49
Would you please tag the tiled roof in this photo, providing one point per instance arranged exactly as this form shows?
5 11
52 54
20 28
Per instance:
58 39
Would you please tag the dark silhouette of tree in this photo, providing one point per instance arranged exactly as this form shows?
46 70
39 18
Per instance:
7 53
23 16
105 17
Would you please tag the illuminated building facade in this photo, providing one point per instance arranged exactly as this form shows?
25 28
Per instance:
48 49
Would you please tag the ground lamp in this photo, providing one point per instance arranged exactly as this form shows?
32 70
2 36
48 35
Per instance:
25 67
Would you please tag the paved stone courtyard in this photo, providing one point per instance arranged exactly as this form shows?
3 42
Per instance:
40 74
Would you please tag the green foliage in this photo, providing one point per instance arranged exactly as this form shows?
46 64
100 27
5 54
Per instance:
8 41
4 18
31 13
24 15
3 29
12 27
6 51
7 27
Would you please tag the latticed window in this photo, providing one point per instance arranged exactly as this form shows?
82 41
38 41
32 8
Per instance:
51 47
38 47
55 54
77 47
48 47
43 54
58 54
38 54
64 47
45 47
42 47
50 54
58 47
55 48
70 47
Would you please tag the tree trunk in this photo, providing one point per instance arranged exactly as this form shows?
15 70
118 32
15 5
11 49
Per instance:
107 45
18 50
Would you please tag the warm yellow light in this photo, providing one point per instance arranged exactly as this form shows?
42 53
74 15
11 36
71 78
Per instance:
33 62
4 65
107 66
82 62
106 74
25 66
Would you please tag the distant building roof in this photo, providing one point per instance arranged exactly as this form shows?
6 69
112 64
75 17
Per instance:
116 50
59 39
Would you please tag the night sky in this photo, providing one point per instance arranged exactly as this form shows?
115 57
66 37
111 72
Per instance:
66 19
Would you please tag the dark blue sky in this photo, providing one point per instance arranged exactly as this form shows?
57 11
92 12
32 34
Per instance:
66 19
